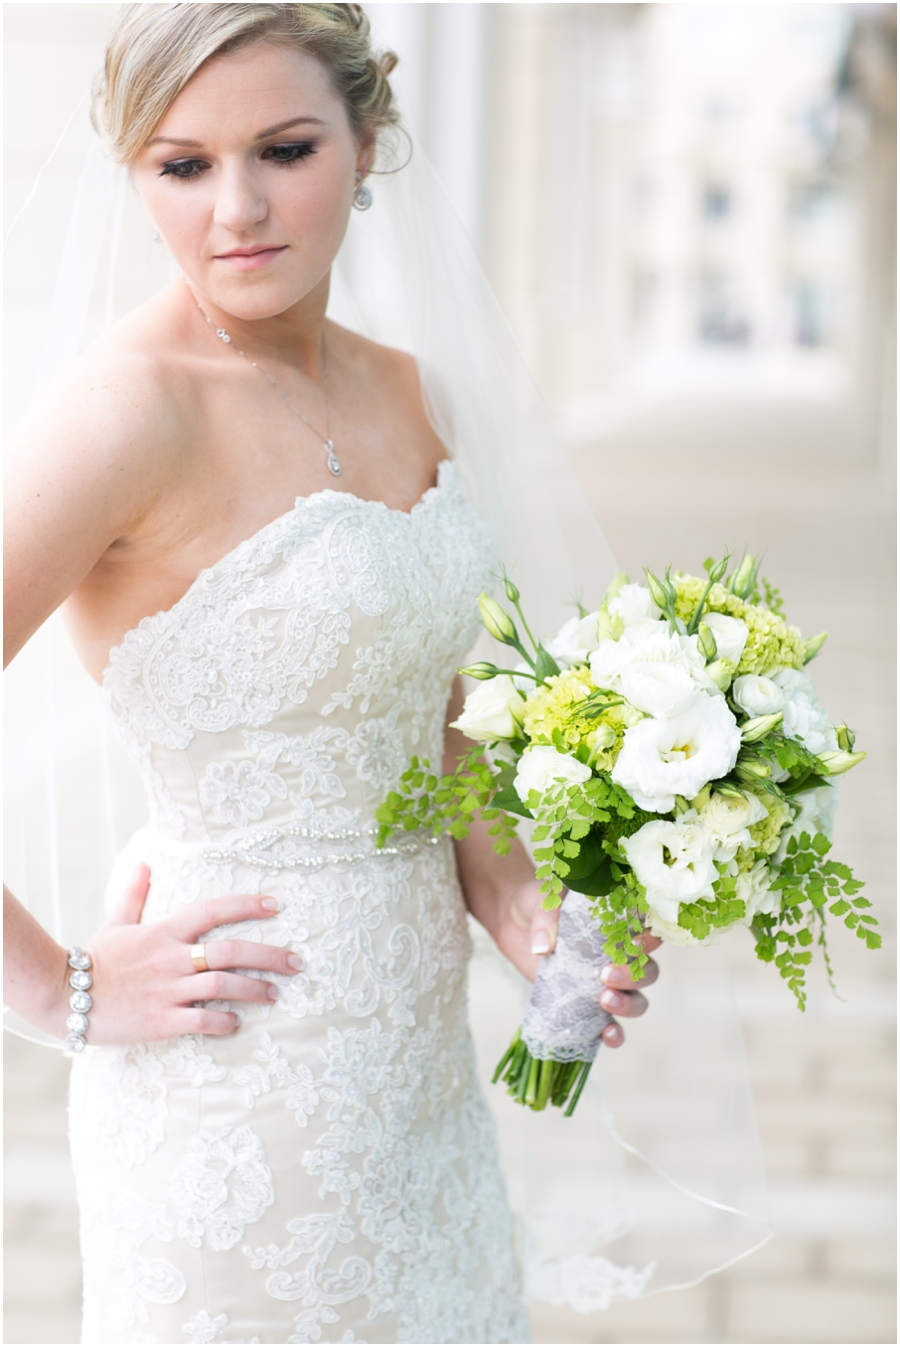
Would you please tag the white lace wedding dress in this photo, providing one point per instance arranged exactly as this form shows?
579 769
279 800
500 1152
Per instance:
329 1173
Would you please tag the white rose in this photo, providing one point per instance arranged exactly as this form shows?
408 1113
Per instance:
729 819
541 767
757 696
487 713
673 861
815 814
575 641
754 892
660 759
731 635
805 718
633 604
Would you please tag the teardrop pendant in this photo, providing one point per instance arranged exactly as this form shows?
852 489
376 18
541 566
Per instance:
334 465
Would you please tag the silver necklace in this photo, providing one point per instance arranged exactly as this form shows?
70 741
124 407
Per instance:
331 458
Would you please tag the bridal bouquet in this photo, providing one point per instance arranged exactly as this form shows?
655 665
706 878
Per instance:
680 772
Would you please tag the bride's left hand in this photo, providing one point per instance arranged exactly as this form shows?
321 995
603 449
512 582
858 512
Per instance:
621 995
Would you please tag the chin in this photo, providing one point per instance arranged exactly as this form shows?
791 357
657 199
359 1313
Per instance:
254 298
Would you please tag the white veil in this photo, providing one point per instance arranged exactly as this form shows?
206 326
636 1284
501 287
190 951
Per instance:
657 1180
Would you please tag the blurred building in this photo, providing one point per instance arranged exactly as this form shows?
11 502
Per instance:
672 200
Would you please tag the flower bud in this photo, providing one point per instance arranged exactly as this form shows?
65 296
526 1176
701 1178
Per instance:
482 670
845 737
497 621
832 764
512 592
716 572
707 642
681 805
660 592
722 673
744 578
603 737
759 727
752 769
812 647
615 585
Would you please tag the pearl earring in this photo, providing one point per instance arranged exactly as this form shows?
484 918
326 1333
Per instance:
362 197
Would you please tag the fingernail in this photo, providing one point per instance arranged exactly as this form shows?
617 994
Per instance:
271 904
273 992
295 962
606 972
610 1000
540 943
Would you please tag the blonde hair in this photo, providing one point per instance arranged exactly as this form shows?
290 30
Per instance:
155 49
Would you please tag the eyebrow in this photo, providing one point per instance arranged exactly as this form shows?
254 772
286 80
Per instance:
262 135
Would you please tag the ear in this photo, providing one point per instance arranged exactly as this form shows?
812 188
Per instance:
367 147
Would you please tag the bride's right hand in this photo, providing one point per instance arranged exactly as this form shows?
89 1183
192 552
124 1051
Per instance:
145 982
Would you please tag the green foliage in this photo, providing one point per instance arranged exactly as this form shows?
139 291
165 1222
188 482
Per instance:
447 804
808 884
772 597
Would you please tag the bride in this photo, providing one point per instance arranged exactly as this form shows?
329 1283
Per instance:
266 556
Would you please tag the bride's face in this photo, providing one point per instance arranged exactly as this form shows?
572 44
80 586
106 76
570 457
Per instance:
249 177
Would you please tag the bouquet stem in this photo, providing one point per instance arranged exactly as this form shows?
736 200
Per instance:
535 1081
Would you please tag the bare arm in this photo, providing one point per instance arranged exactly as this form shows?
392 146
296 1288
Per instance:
84 475
502 894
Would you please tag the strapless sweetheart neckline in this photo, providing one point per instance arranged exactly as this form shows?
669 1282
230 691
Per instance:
253 538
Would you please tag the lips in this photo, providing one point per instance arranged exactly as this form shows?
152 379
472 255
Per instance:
251 259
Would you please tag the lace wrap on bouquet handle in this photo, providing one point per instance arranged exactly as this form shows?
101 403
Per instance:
563 1020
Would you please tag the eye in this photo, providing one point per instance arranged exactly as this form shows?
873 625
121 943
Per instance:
183 168
290 154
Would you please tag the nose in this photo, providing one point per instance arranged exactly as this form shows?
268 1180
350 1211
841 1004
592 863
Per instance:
239 202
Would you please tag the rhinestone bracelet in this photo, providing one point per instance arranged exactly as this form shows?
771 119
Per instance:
80 1001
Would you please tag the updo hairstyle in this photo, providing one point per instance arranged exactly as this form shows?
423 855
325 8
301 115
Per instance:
155 49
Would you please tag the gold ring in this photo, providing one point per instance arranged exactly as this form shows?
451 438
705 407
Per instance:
198 958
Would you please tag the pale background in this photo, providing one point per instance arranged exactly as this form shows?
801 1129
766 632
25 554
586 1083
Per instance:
688 213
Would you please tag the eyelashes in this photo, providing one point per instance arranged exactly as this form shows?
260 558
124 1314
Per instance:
187 169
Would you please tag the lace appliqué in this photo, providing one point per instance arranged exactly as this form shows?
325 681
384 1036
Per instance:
222 1185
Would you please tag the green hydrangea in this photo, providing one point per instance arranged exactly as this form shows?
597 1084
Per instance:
767 833
554 706
557 708
771 643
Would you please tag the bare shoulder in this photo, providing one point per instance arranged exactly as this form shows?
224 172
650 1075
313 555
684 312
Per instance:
87 469
115 420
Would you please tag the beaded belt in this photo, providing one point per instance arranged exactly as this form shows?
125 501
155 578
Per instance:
294 847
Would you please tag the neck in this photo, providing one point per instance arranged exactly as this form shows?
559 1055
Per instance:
293 337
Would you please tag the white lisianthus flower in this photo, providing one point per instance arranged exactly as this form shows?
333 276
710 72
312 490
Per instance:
660 759
731 635
659 689
729 819
754 892
575 640
805 718
657 671
674 862
488 711
814 815
633 605
542 767
756 695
